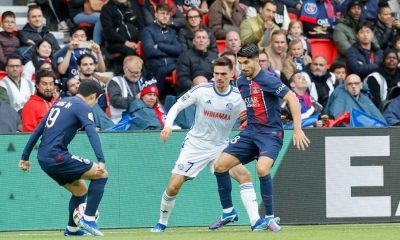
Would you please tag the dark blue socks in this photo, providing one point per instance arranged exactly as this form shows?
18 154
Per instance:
224 189
95 193
74 203
267 193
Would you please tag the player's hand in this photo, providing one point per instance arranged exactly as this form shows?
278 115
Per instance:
243 115
165 133
100 168
300 140
24 165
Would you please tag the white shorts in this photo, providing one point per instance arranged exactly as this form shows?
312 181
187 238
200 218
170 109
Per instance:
192 159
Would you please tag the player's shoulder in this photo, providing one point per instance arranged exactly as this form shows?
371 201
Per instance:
202 87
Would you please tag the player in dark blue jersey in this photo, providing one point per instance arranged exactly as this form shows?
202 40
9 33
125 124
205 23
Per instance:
57 129
263 135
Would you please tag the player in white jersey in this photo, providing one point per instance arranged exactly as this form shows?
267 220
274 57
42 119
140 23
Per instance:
218 106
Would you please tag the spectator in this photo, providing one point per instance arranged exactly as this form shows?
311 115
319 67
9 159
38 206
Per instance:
392 112
258 30
232 42
345 33
264 61
386 26
71 87
122 90
293 6
34 31
8 42
225 16
296 32
67 57
40 103
10 120
18 89
147 112
320 81
195 62
147 10
397 45
319 18
276 52
120 27
339 70
387 77
364 56
43 53
296 60
236 68
78 17
308 105
194 23
87 67
161 46
370 8
349 96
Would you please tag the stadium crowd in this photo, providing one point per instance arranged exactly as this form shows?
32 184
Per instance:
336 55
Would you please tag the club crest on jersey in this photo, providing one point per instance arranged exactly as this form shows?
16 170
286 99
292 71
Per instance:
255 90
229 106
310 8
209 101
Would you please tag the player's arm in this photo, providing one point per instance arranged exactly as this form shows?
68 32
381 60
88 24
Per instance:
183 102
300 140
24 163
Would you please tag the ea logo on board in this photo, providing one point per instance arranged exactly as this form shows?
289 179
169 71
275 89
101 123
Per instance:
310 8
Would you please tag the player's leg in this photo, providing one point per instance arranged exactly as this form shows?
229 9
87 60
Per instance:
247 192
79 190
97 184
168 201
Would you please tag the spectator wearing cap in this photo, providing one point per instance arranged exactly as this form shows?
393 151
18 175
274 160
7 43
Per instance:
147 112
364 56
370 8
40 103
195 65
386 26
319 18
122 90
194 23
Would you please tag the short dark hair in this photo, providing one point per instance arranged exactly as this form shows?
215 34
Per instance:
200 30
85 56
75 29
33 7
248 51
44 73
13 57
337 65
222 62
264 2
163 6
88 87
228 53
367 24
7 14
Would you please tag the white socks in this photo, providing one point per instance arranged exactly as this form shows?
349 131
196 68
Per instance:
167 204
249 199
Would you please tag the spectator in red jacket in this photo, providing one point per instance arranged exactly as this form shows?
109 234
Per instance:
39 104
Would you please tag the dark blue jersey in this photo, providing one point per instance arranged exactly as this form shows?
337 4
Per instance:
261 96
59 127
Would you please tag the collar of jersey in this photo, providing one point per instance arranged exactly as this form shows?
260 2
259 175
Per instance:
223 94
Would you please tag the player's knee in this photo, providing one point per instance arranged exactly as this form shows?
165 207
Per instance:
219 167
262 171
172 190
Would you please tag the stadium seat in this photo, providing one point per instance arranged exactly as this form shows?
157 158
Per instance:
3 74
171 79
292 16
139 49
205 19
86 25
221 45
325 48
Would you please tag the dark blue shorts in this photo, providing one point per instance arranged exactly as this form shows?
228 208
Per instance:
67 169
248 146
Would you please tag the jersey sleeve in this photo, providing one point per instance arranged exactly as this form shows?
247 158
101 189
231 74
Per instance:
272 85
34 138
85 116
183 102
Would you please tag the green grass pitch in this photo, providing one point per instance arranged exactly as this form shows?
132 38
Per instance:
318 232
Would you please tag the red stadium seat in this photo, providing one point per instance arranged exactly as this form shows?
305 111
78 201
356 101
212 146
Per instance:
325 48
292 16
205 19
86 25
139 49
171 79
221 45
3 74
